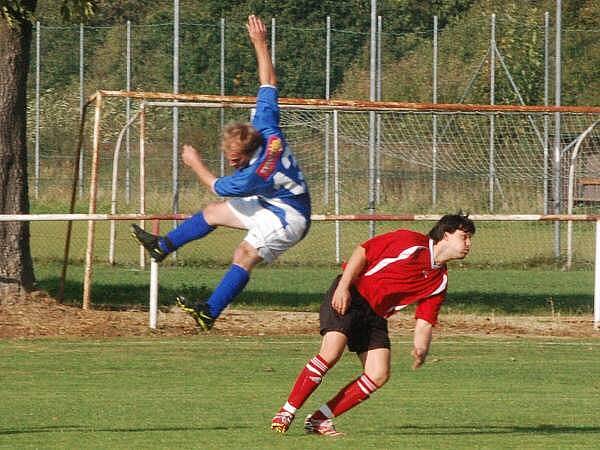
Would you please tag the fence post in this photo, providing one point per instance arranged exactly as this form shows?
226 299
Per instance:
273 40
434 118
557 143
378 116
546 91
175 143
492 116
81 72
327 116
372 80
37 108
336 184
222 87
128 116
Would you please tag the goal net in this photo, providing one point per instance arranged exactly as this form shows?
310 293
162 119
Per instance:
358 158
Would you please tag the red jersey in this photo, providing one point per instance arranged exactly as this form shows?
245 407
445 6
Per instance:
400 270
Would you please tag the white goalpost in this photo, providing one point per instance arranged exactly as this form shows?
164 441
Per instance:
429 157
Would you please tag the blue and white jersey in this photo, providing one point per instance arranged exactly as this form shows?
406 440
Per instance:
273 175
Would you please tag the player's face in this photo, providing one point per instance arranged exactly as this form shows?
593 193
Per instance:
459 244
236 158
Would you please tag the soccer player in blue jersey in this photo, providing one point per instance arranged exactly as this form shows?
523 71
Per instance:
269 196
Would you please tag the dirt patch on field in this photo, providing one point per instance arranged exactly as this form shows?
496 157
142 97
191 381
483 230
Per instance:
38 315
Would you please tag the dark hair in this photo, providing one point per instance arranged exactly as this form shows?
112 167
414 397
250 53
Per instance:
449 224
244 137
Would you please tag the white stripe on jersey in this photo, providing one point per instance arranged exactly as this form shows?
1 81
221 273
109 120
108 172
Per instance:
441 287
387 261
291 214
281 180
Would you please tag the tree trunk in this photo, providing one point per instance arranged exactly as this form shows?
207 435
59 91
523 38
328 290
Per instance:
16 266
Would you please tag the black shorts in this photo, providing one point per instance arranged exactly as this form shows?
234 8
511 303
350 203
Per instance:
365 329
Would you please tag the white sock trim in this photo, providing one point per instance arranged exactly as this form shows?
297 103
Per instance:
326 411
289 408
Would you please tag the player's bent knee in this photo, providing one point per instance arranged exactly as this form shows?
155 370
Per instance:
246 256
379 377
212 214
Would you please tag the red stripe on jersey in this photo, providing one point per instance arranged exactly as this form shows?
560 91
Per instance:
272 154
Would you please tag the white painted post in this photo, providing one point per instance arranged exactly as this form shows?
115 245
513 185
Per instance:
153 294
153 310
597 279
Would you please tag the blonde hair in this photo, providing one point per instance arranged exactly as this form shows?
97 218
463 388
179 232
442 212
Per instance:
241 137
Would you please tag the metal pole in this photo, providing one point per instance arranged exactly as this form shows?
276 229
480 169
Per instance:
175 148
37 108
222 90
273 40
81 100
378 117
492 116
127 117
372 80
327 116
434 119
546 96
557 143
336 185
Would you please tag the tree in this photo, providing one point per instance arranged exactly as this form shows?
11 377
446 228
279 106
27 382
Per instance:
16 16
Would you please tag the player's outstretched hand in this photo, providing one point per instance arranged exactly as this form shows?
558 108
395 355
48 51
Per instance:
190 156
418 358
256 29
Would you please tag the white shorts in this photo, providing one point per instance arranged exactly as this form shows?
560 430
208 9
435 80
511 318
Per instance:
265 231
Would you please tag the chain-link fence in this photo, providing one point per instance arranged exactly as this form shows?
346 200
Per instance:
450 65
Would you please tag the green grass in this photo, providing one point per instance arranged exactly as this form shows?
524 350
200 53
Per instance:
479 290
496 245
214 392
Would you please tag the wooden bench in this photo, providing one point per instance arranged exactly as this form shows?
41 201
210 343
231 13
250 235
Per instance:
587 190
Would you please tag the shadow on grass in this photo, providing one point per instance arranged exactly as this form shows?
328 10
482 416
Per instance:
128 295
525 303
483 429
405 430
136 295
88 429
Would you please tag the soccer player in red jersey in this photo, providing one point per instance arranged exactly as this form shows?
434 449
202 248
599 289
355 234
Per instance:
383 275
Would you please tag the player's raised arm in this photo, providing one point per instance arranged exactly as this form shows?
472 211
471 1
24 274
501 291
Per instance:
258 35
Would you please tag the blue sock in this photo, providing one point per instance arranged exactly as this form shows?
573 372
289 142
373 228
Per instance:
231 285
189 230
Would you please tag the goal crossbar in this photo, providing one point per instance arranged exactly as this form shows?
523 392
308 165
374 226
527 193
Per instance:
359 105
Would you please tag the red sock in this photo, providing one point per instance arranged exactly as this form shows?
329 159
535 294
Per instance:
308 380
348 397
